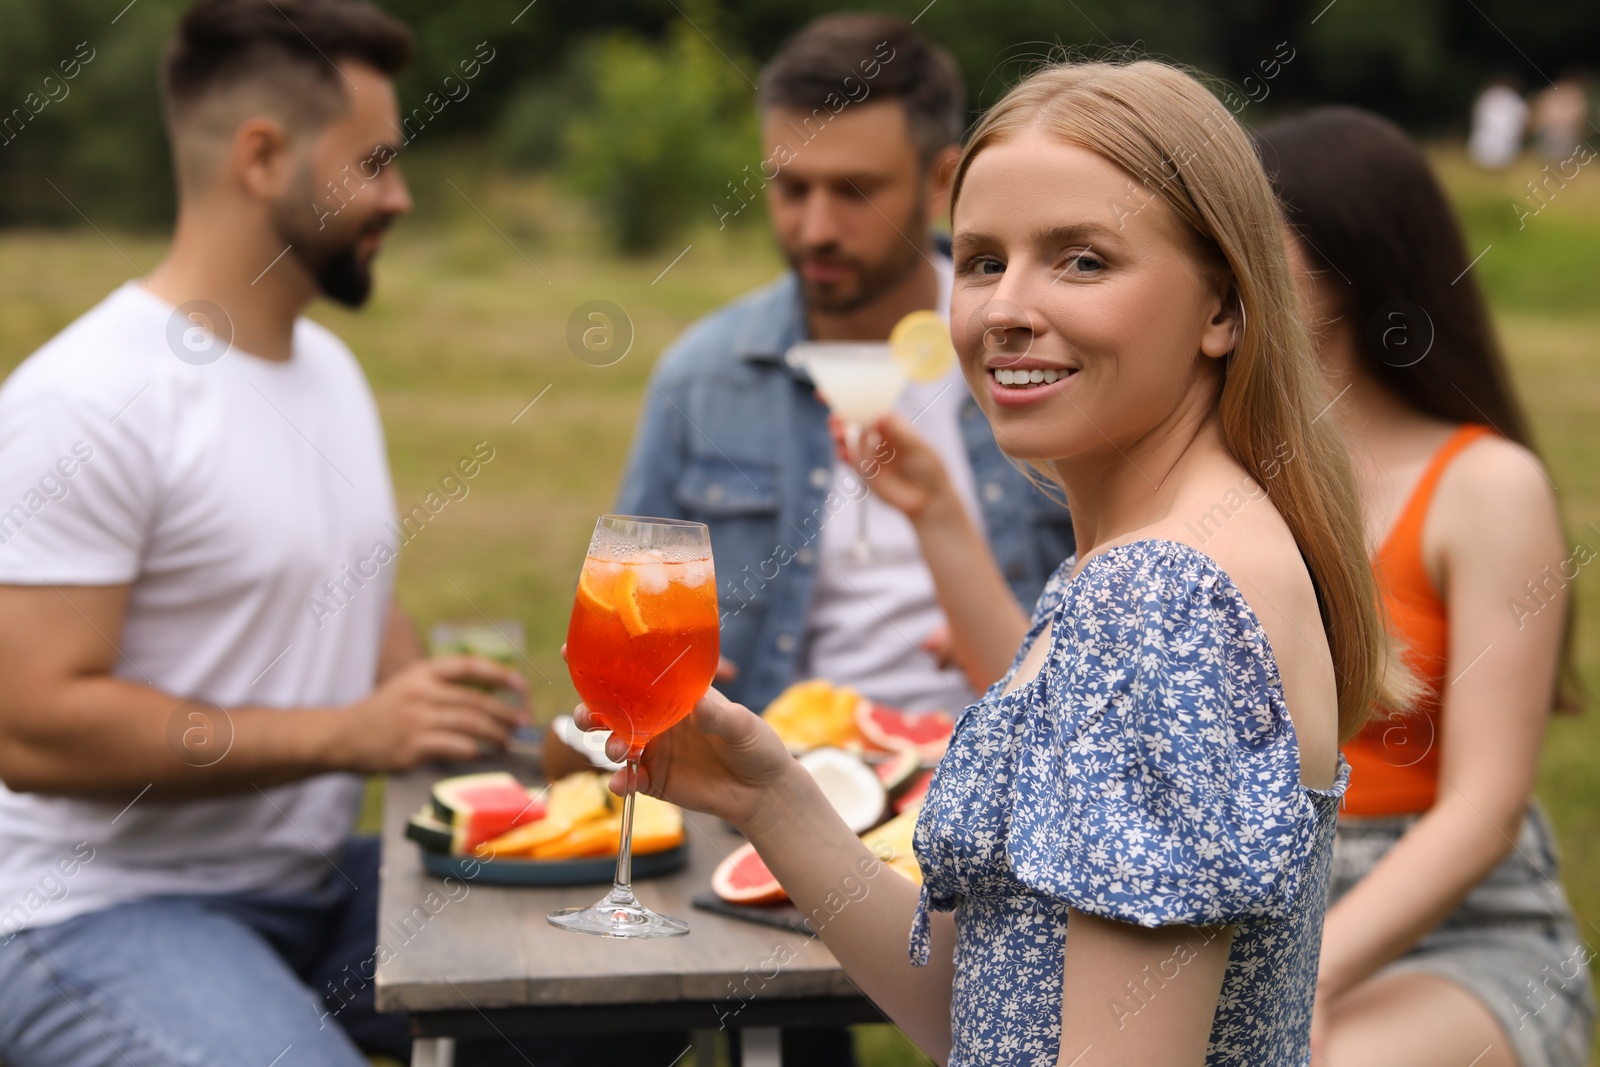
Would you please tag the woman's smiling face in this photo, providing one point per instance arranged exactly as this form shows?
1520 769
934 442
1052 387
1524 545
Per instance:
1066 269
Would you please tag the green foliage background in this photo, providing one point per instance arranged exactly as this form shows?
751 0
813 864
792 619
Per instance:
645 105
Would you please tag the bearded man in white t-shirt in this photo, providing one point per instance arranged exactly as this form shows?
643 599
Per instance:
199 650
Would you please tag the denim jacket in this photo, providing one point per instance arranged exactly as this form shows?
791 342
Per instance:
733 437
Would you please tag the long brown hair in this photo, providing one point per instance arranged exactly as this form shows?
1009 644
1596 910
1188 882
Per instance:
1169 132
1368 210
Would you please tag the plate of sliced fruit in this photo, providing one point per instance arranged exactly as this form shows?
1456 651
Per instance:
868 761
492 829
902 747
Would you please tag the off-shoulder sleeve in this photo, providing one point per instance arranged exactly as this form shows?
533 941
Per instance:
1160 779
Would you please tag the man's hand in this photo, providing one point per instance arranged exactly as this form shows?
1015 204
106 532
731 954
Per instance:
428 711
941 646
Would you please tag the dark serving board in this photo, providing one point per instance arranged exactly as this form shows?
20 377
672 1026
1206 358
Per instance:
785 916
596 871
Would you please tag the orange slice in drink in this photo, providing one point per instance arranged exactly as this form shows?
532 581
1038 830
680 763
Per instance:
628 608
614 593
921 344
594 589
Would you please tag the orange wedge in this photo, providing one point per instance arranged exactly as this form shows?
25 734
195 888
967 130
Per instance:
599 837
523 840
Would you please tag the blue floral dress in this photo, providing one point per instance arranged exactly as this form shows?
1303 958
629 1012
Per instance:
1149 774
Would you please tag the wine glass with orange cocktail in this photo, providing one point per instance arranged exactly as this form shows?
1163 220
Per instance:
642 649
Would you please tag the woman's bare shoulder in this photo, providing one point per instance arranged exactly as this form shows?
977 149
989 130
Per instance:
1256 549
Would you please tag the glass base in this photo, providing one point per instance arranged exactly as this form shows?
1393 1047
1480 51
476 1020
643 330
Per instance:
618 915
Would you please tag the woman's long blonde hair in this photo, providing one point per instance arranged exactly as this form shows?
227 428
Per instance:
1170 133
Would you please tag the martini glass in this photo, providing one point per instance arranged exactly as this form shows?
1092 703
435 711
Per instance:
861 381
642 648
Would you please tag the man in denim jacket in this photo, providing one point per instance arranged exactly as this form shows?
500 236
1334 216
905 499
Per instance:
861 119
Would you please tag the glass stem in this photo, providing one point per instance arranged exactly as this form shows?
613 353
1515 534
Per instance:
854 436
623 883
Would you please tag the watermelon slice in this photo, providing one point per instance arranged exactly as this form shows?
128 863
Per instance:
743 878
898 769
426 830
914 794
928 733
477 807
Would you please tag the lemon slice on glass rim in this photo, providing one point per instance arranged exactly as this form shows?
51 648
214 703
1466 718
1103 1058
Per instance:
920 343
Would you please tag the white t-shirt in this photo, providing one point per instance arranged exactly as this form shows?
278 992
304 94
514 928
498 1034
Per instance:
868 620
227 494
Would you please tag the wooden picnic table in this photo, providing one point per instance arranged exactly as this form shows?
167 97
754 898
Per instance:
474 960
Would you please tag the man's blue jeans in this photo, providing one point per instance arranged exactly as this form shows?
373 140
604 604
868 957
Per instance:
241 981
198 981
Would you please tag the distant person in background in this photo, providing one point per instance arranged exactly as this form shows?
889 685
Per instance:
1448 938
861 118
1499 120
1560 113
189 470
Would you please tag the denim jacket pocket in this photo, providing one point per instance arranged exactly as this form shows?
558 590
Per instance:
716 488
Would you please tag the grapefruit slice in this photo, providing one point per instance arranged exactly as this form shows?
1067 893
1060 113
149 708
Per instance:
921 344
477 807
849 784
743 878
928 733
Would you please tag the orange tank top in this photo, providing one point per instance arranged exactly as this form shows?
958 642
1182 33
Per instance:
1394 762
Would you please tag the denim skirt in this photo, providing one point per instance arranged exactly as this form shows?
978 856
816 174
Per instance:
1512 942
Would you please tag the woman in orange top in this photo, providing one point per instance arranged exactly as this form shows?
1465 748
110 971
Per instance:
1448 940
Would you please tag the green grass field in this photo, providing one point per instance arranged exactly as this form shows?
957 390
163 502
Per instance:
465 331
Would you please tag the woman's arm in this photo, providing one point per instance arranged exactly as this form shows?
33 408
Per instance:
986 624
861 908
1495 523
726 761
1135 995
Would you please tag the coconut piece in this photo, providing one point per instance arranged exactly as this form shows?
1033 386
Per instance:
849 784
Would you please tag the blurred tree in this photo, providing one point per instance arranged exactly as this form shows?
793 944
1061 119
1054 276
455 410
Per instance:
93 144
670 124
95 149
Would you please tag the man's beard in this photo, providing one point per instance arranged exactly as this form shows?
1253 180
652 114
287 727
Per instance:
873 279
330 259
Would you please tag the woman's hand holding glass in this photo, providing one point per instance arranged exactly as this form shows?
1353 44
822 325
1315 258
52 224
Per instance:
723 760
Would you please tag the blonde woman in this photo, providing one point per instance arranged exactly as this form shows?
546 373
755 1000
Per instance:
1126 848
